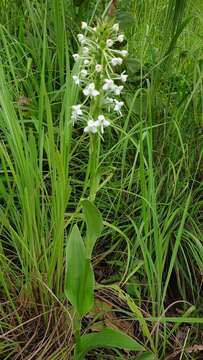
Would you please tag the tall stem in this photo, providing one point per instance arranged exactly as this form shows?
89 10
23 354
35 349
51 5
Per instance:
94 150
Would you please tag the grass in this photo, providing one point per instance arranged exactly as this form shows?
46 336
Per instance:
149 260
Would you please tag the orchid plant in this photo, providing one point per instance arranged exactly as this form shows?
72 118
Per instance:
101 82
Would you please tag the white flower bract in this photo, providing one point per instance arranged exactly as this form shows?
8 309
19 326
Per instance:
124 53
76 57
90 90
98 68
82 39
108 85
109 43
91 127
116 61
85 51
109 100
102 122
76 79
76 112
123 77
115 27
86 62
84 25
117 89
83 73
118 105
120 38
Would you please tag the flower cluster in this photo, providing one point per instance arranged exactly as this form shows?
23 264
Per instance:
100 78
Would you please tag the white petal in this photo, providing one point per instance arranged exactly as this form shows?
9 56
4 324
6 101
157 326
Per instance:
76 79
115 27
120 38
86 92
84 25
124 53
119 60
114 61
106 123
95 93
98 68
85 51
83 73
86 62
101 118
82 39
123 77
76 57
109 42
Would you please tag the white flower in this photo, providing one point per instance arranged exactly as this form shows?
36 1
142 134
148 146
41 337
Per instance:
102 122
123 77
119 60
77 111
108 85
98 68
90 90
91 127
84 25
109 100
116 61
120 38
85 51
94 29
109 42
124 53
86 62
117 89
76 79
83 73
118 105
82 39
115 27
76 57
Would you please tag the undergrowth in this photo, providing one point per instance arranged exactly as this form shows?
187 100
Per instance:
148 261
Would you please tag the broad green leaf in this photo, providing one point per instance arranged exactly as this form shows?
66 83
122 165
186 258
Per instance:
79 283
108 338
94 224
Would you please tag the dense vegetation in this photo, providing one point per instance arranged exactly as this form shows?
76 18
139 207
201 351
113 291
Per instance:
148 257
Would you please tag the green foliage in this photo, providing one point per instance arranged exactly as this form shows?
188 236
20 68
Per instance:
108 338
79 283
148 263
94 224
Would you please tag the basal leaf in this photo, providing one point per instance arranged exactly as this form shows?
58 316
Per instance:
79 283
108 338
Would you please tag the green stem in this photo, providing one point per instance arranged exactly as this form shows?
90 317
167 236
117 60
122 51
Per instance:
77 335
94 159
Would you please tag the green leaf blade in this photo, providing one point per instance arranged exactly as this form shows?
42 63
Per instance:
94 224
79 284
108 338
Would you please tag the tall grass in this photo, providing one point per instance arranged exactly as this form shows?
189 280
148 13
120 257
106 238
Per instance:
151 252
